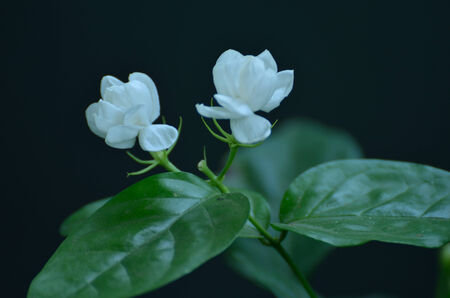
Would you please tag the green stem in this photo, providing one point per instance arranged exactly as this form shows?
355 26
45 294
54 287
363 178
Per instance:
162 160
294 269
233 151
277 245
169 166
261 230
203 167
274 242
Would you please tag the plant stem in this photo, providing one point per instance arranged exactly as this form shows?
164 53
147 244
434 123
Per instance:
169 166
280 249
294 269
162 160
274 242
233 151
262 230
203 167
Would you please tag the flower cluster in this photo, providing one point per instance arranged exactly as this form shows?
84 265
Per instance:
244 84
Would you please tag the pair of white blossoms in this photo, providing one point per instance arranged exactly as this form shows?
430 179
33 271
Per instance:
244 84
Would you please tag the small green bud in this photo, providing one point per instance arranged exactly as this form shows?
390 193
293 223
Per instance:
201 165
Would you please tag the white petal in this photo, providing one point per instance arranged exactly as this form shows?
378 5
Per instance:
122 136
215 112
128 95
228 56
107 116
251 129
138 93
108 81
142 77
269 62
257 84
233 105
118 96
226 72
157 137
137 116
91 113
285 82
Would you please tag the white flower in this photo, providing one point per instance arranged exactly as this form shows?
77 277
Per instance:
127 110
246 84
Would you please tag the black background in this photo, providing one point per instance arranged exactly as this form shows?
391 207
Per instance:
379 69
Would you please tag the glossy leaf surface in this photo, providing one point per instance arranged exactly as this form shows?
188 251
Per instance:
76 219
150 234
354 201
293 147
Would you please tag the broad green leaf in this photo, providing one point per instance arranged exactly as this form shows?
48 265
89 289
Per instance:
152 233
77 218
259 209
354 201
294 146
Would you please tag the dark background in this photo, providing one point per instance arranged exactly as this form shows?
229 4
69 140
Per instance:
379 69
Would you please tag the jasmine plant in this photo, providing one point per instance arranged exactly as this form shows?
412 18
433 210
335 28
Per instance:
275 217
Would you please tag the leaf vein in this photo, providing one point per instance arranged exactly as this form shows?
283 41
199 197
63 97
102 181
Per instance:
434 204
139 246
386 202
333 190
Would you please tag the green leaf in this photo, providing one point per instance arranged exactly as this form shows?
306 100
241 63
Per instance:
259 209
294 146
354 201
76 219
152 233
